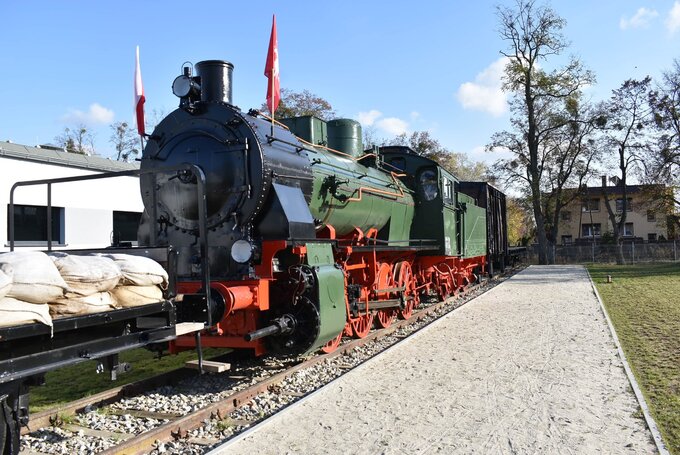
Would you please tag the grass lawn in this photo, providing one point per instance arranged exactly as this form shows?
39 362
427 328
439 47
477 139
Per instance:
644 305
77 381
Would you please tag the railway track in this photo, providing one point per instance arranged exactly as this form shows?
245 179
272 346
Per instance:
181 412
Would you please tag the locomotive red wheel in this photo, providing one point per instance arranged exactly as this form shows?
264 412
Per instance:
333 344
384 280
404 277
361 326
347 331
385 317
407 311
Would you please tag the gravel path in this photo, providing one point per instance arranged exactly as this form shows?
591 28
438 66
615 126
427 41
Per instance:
529 367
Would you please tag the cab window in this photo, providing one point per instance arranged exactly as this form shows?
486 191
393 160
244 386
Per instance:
429 186
447 190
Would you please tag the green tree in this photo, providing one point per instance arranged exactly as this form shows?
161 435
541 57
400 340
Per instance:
533 34
296 104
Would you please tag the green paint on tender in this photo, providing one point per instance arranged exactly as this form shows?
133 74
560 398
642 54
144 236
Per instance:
474 227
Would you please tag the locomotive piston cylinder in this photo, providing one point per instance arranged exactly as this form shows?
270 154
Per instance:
235 297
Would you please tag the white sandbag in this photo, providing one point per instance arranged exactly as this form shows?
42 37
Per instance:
76 305
131 296
87 275
140 270
15 312
6 274
36 278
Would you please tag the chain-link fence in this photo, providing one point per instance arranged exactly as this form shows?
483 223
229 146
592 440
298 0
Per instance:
606 253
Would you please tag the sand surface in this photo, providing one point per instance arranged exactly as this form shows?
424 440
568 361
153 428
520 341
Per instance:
529 367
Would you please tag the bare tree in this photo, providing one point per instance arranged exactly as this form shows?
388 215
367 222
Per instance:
124 141
370 137
534 33
77 140
570 163
566 158
153 118
625 133
662 162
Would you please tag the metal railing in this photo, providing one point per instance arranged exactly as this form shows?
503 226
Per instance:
633 252
186 167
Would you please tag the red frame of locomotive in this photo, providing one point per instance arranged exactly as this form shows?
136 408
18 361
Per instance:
384 274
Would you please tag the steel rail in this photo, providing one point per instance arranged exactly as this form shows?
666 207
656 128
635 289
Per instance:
180 427
52 415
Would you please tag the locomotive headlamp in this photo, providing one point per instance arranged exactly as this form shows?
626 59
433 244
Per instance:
241 251
182 86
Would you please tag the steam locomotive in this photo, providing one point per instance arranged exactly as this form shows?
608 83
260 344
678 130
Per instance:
277 237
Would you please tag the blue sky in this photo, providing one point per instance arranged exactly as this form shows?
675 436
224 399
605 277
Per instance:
394 65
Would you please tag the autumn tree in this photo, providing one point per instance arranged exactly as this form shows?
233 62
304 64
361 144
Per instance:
520 225
124 140
625 128
296 104
534 34
77 140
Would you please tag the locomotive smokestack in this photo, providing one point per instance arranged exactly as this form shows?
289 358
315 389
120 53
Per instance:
215 80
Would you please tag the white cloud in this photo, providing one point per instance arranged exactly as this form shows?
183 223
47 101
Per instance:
415 115
97 114
640 19
392 125
368 118
673 19
477 153
480 153
485 93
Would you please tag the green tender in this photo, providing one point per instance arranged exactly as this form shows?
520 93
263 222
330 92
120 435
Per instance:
474 228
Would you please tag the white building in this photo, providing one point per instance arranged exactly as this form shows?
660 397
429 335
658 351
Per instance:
84 214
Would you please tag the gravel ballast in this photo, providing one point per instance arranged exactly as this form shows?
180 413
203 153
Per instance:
528 367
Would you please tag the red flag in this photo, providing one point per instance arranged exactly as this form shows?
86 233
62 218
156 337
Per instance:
271 70
139 97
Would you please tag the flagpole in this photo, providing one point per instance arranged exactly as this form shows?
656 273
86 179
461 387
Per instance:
272 101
